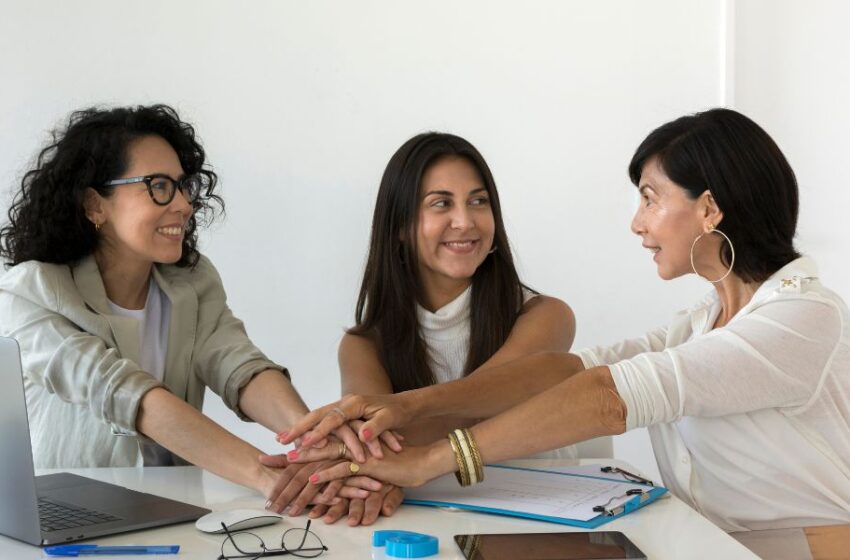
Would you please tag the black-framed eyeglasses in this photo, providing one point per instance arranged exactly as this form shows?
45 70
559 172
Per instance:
302 543
162 188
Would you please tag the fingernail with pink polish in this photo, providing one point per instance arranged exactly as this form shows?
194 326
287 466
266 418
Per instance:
282 435
292 455
367 433
314 478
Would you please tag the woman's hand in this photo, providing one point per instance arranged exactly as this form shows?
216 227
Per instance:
334 449
414 466
379 412
294 490
345 434
359 511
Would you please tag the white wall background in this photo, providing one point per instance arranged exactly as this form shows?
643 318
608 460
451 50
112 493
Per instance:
300 105
792 75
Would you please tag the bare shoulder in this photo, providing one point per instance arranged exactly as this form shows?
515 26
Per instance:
360 367
549 307
356 343
356 350
548 318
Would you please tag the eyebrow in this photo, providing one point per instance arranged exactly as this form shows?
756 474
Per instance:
449 193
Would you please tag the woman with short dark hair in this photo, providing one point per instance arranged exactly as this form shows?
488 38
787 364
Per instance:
746 395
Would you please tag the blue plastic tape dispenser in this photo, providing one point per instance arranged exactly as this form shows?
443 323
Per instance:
406 544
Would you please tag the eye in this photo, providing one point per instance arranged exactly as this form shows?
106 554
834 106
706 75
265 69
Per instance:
480 201
160 184
646 201
440 203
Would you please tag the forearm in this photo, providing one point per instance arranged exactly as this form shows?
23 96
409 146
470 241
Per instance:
429 430
186 432
487 392
271 400
584 406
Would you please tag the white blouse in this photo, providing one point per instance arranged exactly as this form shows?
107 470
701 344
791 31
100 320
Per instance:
750 423
446 335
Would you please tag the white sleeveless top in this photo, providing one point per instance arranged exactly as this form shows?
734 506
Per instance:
446 335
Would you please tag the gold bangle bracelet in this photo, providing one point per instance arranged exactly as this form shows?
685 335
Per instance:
461 474
476 455
468 457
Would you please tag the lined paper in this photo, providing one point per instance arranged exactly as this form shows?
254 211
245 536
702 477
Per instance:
534 492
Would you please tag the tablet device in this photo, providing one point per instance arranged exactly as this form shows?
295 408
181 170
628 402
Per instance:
549 546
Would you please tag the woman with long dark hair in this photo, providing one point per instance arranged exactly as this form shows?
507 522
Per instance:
746 395
440 297
121 322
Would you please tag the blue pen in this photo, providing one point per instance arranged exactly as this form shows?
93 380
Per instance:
69 550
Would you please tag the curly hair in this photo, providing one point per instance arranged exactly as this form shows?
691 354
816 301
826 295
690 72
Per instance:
47 219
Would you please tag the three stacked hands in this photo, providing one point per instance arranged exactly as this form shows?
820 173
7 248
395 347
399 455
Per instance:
349 460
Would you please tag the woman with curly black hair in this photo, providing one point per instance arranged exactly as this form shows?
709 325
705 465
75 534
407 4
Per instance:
122 323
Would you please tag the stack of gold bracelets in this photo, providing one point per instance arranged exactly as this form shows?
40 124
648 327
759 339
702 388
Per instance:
469 465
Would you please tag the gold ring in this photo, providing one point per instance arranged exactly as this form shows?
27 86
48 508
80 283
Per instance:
354 468
342 450
338 410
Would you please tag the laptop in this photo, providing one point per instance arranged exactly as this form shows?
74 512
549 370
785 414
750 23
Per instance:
62 507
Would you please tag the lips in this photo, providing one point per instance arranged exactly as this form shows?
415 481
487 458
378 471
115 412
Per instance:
174 231
461 246
653 250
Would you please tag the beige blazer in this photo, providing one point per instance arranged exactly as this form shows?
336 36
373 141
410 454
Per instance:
81 374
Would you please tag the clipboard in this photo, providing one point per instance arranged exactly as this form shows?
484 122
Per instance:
556 496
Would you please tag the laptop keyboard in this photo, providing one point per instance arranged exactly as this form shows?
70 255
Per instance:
55 517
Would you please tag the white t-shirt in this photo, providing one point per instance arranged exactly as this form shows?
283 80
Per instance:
446 335
154 320
750 423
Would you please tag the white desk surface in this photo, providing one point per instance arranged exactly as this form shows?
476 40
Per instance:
665 529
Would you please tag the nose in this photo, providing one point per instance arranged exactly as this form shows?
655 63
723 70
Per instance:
181 204
462 218
637 225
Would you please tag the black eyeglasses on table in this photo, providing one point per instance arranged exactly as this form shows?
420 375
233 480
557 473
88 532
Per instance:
302 543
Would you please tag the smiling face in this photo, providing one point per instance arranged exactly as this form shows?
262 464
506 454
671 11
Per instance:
134 228
668 221
455 225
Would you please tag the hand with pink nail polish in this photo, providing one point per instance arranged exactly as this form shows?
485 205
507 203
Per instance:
296 485
293 490
379 413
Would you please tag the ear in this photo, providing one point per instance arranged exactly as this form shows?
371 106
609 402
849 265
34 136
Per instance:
93 204
709 211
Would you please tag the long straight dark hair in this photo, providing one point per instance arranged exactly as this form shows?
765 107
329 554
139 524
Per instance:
386 306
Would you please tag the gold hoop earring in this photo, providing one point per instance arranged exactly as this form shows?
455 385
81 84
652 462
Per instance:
97 227
712 229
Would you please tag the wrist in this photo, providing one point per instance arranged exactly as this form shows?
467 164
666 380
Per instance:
440 459
264 479
417 404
